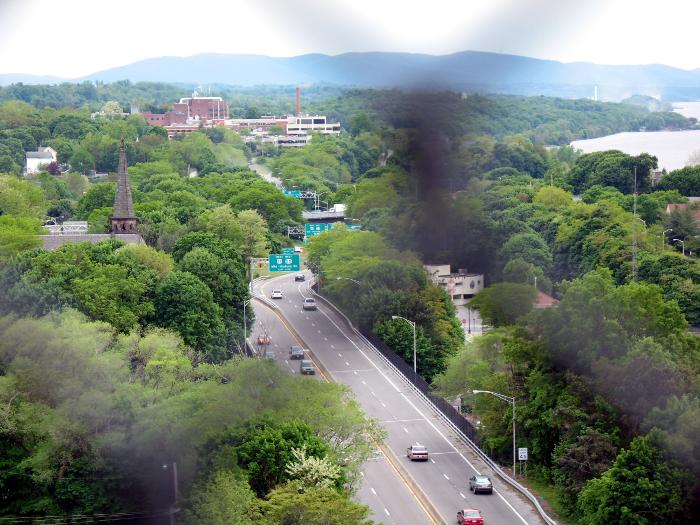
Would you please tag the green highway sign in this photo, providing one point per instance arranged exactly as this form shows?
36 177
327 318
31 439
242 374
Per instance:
293 193
287 251
285 262
315 229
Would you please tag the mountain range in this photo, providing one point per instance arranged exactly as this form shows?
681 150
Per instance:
468 70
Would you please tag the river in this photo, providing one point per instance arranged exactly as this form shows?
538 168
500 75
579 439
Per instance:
672 148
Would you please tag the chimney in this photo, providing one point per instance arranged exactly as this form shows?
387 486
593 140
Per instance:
298 101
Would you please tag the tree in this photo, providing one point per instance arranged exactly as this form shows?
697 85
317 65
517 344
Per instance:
254 232
310 471
505 303
82 161
529 247
641 488
223 499
18 234
112 108
186 304
313 506
685 180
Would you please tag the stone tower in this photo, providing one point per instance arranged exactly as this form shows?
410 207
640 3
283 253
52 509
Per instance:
123 219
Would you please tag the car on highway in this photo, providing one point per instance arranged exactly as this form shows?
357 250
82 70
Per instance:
296 352
417 453
470 517
309 303
300 277
480 484
307 367
276 294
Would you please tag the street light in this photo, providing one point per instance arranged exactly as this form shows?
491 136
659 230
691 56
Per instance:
682 244
413 325
507 399
663 238
245 326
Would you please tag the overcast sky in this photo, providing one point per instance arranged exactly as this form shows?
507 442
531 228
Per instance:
71 38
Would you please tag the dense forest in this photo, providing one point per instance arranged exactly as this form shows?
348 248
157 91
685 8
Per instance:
107 348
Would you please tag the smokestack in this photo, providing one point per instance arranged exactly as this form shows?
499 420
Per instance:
298 101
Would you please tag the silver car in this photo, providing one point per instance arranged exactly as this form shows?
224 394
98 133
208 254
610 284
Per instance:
480 484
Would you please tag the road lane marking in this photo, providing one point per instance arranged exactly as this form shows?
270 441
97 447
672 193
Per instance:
363 382
333 347
347 364
375 395
354 372
405 429
448 479
325 338
498 493
432 460
401 421
463 496
373 491
382 402
387 512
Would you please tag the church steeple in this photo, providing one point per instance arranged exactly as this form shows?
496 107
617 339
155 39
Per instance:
123 218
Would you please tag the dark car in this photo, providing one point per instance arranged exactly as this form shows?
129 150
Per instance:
417 452
470 517
296 352
480 484
307 367
300 277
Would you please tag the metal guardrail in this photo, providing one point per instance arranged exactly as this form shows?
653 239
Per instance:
442 407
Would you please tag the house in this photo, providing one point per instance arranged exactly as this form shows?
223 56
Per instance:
460 286
693 206
39 159
544 301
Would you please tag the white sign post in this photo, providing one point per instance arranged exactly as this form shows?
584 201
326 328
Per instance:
522 454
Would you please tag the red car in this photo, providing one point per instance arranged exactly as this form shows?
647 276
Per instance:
470 517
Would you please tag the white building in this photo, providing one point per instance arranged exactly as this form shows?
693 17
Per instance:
460 286
36 160
312 123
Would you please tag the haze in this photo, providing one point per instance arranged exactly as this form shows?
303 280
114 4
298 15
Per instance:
78 37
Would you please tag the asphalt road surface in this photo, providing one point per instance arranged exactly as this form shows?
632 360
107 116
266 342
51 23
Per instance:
385 396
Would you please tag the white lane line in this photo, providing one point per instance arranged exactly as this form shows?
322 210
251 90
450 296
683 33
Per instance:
313 324
333 347
405 429
362 473
373 491
307 317
387 512
498 493
463 496
382 402
347 364
402 421
432 460
325 338
340 355
375 395
363 382
448 479
286 361
276 345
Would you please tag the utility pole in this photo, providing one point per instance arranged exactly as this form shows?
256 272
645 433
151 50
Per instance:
634 228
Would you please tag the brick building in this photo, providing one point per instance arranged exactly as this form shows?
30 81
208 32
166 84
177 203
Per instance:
203 109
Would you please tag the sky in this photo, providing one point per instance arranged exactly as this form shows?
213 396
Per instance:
71 38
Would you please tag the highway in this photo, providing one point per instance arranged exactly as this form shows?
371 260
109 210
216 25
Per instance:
393 505
385 396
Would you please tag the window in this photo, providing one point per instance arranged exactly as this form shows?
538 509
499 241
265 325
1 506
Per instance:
319 121
306 121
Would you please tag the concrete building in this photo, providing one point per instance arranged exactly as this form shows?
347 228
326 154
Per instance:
460 286
36 160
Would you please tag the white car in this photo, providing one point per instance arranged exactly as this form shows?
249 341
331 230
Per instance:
276 294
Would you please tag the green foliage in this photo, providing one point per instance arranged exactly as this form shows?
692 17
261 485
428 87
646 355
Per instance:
18 234
640 488
612 168
505 303
224 499
685 180
313 506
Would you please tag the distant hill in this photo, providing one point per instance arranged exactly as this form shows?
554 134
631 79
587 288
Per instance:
468 70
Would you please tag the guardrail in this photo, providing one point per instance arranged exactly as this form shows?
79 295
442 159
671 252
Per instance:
441 407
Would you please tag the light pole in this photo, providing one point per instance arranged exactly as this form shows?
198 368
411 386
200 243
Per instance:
507 399
413 325
682 244
663 238
469 313
245 327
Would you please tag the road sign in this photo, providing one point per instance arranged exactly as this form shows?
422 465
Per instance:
312 229
284 262
522 454
354 227
293 193
287 251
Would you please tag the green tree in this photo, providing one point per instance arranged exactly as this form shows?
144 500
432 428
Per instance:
223 499
505 303
254 232
640 488
185 304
